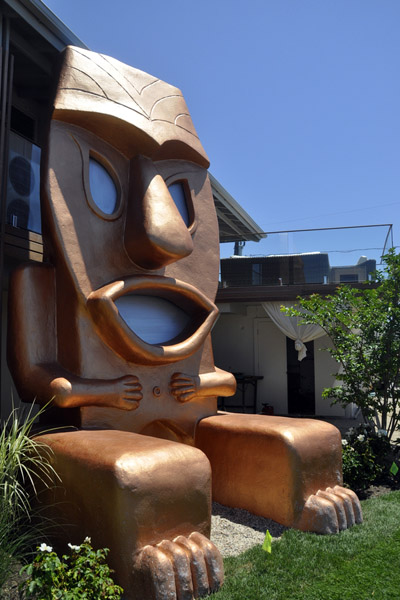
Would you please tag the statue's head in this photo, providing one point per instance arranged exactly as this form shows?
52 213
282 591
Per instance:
128 209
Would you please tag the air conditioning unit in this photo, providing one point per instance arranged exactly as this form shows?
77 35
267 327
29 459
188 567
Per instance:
23 184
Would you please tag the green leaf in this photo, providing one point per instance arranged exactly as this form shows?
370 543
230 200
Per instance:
267 543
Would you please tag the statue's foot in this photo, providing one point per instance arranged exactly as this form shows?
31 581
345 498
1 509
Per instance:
330 511
186 568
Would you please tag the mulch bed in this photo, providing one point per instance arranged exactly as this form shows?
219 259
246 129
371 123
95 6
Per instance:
377 490
10 591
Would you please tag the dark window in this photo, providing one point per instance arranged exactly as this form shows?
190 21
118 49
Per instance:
348 277
22 124
256 274
300 380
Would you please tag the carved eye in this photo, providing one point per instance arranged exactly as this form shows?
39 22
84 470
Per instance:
102 187
179 196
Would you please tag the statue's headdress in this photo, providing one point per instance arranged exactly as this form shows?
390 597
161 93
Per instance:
103 95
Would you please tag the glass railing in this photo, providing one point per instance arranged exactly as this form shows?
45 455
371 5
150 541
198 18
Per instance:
313 256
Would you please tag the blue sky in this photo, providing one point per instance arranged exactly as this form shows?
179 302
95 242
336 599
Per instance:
297 102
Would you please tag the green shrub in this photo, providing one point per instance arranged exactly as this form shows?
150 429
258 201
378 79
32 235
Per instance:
367 457
83 575
23 461
364 327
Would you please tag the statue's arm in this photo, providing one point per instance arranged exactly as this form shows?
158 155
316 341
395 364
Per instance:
69 391
217 383
32 350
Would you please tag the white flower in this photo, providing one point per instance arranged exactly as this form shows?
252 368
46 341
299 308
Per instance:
361 437
87 540
345 443
73 547
45 548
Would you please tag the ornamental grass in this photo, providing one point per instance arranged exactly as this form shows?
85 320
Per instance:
24 463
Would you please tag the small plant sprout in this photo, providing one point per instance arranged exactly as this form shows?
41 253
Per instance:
267 543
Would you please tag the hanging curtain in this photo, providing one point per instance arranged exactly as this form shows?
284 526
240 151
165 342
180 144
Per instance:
292 327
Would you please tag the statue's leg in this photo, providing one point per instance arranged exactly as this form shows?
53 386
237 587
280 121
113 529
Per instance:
148 500
289 470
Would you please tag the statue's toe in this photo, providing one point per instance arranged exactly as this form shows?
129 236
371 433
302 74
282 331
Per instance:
330 511
182 569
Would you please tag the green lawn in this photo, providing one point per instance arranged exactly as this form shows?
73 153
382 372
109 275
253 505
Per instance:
362 563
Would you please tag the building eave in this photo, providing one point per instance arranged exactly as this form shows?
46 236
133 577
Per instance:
235 223
278 293
45 22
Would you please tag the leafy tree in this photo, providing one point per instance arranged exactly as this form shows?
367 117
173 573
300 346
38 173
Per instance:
364 326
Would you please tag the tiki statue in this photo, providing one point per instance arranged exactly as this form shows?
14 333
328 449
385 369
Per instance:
114 329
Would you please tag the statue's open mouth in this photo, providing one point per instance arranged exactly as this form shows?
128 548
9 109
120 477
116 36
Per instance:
152 320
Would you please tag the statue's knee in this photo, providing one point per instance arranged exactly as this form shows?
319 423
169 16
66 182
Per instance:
269 465
124 482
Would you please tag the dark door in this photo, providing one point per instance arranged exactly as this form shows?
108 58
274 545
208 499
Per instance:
300 380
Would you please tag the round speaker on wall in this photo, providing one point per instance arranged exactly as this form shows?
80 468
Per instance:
21 176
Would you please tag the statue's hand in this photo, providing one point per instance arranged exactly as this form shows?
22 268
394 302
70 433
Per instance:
127 392
184 387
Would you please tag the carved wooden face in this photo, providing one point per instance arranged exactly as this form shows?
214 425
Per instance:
138 240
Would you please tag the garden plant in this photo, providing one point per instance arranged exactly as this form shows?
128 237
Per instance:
368 459
364 327
81 575
24 462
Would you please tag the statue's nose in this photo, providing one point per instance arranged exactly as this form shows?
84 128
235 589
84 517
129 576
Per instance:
155 233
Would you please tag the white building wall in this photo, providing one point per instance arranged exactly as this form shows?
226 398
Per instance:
247 341
233 343
270 355
324 367
233 347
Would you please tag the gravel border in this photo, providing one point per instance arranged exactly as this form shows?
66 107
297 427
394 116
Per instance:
234 530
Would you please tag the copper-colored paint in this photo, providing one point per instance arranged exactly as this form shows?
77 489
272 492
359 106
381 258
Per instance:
132 481
128 491
274 466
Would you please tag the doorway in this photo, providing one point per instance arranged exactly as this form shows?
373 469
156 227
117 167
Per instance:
300 380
